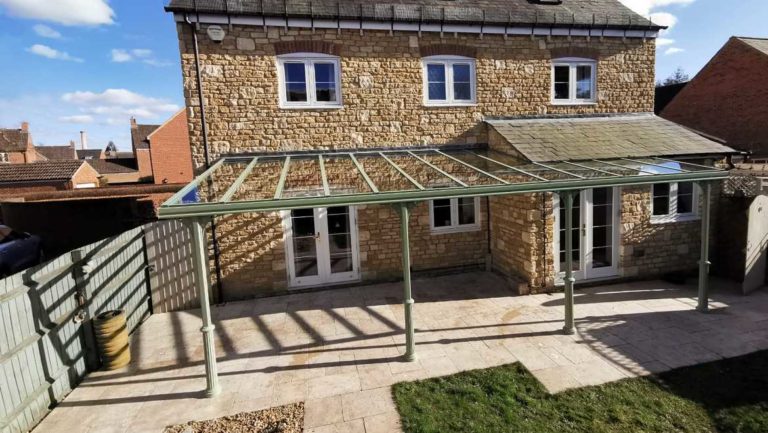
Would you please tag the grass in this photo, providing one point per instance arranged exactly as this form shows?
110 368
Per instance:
728 396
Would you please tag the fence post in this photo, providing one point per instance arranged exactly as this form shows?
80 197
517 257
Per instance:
80 271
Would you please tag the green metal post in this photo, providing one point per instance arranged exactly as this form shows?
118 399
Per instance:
410 346
704 262
569 327
200 257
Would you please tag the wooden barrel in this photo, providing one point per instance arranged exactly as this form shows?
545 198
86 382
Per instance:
112 338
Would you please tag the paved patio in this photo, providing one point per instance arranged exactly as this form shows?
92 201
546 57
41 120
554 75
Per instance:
339 350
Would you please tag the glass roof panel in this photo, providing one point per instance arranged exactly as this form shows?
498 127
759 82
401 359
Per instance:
304 178
383 174
427 176
262 182
495 168
460 171
213 188
343 176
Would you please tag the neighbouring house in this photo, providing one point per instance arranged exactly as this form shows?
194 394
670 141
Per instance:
162 151
665 95
66 152
728 98
90 153
40 176
435 99
115 171
16 146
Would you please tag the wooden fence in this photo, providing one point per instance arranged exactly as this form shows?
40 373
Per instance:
47 344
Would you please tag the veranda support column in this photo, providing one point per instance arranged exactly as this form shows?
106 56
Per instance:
567 197
200 257
410 346
704 263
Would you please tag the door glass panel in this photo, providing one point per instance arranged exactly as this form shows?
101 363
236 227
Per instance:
304 242
339 240
575 233
602 228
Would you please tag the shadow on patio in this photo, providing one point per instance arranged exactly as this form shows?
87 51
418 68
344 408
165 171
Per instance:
347 344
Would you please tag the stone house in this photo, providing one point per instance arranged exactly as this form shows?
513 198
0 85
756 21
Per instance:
533 82
728 98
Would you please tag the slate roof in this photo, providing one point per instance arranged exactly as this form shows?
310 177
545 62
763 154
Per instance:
566 13
602 137
41 170
13 140
757 43
139 135
104 166
57 152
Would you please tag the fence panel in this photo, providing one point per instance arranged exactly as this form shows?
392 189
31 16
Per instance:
172 278
46 347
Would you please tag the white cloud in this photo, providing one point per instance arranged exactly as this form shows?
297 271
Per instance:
673 50
120 102
122 55
663 42
67 12
644 7
46 32
664 19
51 53
79 118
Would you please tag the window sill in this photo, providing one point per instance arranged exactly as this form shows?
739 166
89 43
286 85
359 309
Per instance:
455 229
666 219
451 104
310 107
574 103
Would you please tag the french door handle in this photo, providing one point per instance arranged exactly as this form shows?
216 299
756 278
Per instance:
317 235
584 230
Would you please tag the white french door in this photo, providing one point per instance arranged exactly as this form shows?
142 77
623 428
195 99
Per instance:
321 246
595 234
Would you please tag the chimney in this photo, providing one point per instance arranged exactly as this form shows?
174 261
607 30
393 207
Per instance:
83 140
72 144
25 126
134 125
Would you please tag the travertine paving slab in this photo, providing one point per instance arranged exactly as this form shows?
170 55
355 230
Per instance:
339 351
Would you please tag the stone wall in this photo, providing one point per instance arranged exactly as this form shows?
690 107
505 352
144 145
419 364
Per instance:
382 87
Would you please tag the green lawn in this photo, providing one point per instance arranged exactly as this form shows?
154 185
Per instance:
729 396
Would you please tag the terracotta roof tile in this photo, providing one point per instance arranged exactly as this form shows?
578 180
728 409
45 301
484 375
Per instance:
41 170
13 140
57 152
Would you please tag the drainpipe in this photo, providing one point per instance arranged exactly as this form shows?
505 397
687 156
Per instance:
203 124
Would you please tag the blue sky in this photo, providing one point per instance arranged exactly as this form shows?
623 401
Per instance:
74 65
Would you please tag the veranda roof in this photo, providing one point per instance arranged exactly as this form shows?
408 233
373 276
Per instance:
270 182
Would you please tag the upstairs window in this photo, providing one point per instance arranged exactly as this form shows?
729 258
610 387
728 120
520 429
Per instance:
309 81
573 81
449 80
454 214
674 202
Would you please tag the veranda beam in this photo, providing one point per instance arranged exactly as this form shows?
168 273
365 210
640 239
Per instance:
439 170
195 183
473 167
400 169
283 176
590 168
239 181
200 260
519 170
362 172
569 327
410 345
323 176
567 173
704 262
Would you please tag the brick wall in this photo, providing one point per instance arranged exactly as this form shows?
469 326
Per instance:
144 163
382 88
728 98
86 174
170 151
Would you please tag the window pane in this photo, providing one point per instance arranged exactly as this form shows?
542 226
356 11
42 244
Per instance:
325 72
561 91
294 73
661 205
296 92
562 73
461 73
295 82
661 190
462 91
685 188
685 203
325 82
584 82
466 211
325 92
436 80
441 213
436 91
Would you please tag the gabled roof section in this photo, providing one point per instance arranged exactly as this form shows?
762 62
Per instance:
57 152
104 166
759 44
13 140
89 153
139 135
585 138
39 171
573 13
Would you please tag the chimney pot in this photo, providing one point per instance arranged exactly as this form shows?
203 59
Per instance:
134 125
83 140
25 126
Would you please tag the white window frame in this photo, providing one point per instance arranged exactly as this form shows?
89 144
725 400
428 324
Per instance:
572 63
673 215
447 62
455 227
309 60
